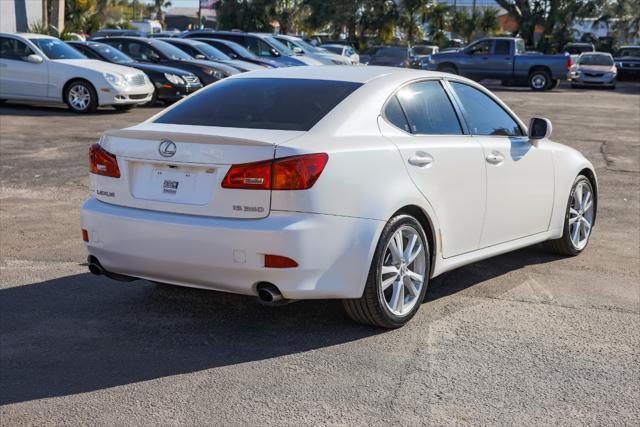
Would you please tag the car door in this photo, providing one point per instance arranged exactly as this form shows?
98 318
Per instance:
445 164
474 59
20 78
520 175
500 62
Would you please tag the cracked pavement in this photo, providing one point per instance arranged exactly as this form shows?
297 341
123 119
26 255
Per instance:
523 338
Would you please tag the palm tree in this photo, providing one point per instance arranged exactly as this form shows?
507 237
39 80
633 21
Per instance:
437 16
410 9
488 21
159 5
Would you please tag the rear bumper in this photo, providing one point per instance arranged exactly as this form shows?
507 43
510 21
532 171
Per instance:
333 253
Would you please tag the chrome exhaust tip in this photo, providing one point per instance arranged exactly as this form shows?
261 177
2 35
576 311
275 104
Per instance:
269 294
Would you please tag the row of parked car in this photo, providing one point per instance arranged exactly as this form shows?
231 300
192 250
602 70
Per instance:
125 71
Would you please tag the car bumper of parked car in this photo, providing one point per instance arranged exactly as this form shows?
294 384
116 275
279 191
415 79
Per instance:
170 92
583 80
333 253
130 95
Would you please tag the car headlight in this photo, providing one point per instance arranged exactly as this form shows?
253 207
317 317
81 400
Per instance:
116 80
216 74
610 74
176 80
618 64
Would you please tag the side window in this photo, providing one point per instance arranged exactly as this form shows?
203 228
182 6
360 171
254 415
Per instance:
14 49
87 52
480 48
394 114
429 109
140 51
484 116
502 47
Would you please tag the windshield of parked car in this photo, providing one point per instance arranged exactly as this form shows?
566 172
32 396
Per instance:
57 49
211 52
392 52
629 53
595 60
422 50
171 51
335 49
279 46
277 103
111 53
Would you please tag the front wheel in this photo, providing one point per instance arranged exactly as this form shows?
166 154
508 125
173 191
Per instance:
81 97
540 80
579 219
398 277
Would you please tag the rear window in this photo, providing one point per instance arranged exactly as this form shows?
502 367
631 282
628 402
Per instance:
283 104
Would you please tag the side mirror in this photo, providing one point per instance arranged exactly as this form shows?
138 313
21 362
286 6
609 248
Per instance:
539 128
297 50
274 52
154 57
200 56
35 59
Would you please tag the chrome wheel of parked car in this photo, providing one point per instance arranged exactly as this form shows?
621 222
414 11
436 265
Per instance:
81 97
579 219
402 273
398 277
581 214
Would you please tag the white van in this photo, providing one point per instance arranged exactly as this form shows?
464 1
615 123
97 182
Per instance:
148 26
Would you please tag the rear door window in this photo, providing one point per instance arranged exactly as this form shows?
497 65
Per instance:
429 109
394 114
276 103
483 115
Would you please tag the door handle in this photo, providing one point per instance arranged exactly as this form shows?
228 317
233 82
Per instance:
495 158
421 159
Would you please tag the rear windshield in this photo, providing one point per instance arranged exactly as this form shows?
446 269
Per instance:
595 59
283 104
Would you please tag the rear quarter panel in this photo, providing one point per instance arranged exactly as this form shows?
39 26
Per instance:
557 64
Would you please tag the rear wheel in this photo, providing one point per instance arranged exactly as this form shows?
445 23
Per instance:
579 219
81 97
398 276
540 80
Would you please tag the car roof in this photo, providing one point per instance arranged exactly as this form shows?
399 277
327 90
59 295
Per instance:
30 36
132 38
346 73
595 53
334 45
191 41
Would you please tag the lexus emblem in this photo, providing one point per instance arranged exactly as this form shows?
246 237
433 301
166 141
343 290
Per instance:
167 148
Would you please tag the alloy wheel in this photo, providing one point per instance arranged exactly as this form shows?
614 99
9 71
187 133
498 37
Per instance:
79 97
538 81
581 214
403 270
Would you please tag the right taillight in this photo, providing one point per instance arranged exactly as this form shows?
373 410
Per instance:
287 173
103 162
569 63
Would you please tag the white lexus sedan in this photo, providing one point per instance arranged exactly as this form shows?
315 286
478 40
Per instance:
356 183
39 68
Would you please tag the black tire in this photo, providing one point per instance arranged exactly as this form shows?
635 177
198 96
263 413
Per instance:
448 69
371 308
124 108
540 80
564 245
154 99
91 106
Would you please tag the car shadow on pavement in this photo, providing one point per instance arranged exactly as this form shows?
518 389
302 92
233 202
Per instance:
462 278
10 109
83 333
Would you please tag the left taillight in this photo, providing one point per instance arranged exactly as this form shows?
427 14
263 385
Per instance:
103 162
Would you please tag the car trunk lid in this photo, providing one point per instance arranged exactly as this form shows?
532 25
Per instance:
179 169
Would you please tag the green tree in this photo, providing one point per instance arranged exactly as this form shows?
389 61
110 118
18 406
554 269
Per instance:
488 21
160 6
411 10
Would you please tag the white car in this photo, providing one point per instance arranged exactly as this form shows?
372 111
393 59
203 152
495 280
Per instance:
356 183
39 68
344 51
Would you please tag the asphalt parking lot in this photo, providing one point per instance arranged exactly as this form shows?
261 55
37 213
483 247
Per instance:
524 338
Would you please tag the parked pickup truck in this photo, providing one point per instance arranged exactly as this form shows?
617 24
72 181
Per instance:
503 58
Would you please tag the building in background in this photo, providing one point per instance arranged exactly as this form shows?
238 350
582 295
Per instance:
181 17
19 15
